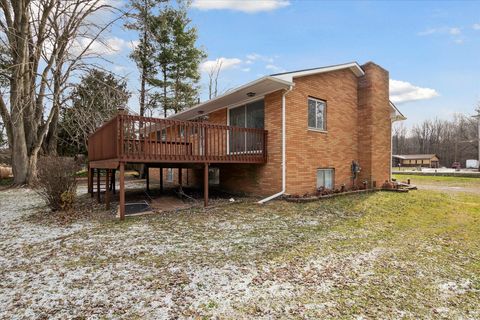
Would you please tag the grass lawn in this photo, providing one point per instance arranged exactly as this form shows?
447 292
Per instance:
381 255
440 180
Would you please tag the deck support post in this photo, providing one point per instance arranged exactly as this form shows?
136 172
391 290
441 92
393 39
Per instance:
90 180
147 177
122 191
113 180
107 189
98 185
180 177
205 185
161 179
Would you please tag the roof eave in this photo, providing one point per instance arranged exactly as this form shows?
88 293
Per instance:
284 85
289 76
398 115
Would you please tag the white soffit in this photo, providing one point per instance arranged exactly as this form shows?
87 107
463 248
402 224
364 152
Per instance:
397 115
259 87
288 76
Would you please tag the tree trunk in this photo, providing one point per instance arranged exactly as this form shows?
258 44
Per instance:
142 93
51 141
165 107
19 157
32 169
143 76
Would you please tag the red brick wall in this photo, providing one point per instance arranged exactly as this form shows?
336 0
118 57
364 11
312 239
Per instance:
309 150
190 177
358 128
374 124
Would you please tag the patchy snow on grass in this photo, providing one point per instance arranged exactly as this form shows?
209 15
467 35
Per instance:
235 261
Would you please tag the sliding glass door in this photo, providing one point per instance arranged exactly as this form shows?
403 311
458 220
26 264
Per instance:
251 115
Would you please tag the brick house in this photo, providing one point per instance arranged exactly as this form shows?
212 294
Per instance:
287 133
333 115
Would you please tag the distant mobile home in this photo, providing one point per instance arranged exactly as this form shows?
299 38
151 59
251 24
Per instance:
416 160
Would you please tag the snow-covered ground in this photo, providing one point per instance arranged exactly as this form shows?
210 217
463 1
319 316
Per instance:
237 261
158 271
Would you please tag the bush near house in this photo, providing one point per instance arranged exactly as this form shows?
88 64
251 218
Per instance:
57 182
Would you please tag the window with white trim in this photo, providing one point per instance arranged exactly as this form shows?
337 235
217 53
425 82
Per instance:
317 114
325 178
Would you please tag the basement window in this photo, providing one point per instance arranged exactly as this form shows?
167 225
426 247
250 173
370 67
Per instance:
170 175
325 178
317 114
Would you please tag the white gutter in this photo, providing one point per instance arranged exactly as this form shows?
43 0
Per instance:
284 160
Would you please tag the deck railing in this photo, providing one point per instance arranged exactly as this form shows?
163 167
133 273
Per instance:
103 143
141 139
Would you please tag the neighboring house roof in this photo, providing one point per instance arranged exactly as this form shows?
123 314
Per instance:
264 86
414 156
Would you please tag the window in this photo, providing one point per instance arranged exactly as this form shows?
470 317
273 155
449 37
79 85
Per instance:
325 178
317 114
170 175
251 115
162 135
214 176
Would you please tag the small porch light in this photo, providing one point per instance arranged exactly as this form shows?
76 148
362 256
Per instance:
251 94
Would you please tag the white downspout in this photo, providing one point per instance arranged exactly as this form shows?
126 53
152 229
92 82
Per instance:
284 160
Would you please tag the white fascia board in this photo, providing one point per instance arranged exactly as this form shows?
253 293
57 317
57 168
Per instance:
397 115
355 67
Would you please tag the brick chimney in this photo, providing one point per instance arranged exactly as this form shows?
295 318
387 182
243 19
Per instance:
374 125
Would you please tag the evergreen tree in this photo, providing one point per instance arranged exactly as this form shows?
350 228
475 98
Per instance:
94 100
186 59
162 32
178 60
140 18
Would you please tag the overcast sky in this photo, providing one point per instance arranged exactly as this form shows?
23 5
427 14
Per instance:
430 48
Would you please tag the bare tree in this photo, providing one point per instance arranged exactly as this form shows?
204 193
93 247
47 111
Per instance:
46 41
452 140
399 138
213 74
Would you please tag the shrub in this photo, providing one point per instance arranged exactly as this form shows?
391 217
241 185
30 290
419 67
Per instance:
56 182
387 185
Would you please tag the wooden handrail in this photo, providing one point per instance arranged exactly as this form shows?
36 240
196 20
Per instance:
131 138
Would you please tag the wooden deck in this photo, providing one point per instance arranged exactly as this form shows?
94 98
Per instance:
167 143
135 139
